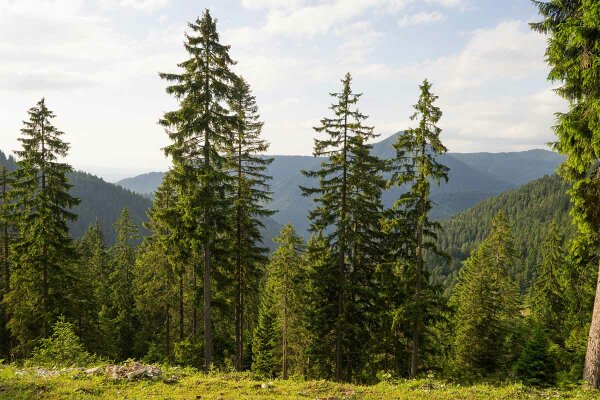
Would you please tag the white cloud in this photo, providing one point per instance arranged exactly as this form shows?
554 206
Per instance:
141 5
278 4
421 18
316 19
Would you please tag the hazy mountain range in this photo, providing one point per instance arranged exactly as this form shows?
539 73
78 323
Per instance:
473 177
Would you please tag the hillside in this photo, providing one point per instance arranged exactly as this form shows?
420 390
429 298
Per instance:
473 177
101 200
529 209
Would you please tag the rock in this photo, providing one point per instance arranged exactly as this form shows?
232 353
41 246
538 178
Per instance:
138 373
93 371
133 371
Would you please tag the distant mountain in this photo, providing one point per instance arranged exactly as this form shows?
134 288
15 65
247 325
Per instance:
101 200
143 184
529 209
473 177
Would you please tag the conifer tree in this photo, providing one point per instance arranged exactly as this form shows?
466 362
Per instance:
94 289
266 344
284 283
162 270
7 235
43 255
155 294
547 294
416 165
487 302
320 308
348 207
251 192
200 131
573 27
122 278
166 225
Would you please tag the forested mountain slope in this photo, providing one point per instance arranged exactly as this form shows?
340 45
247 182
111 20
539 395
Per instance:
529 210
473 177
101 200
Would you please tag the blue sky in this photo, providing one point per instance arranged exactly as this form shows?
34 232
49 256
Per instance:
96 62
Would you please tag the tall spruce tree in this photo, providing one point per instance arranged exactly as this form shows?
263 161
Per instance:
251 192
43 255
573 30
487 301
416 165
348 207
200 131
122 279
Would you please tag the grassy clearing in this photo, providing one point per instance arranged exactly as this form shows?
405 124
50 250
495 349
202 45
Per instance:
28 384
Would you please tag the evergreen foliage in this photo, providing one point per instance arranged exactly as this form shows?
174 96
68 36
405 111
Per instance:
283 303
347 212
122 302
201 134
43 255
487 303
416 165
7 236
251 192
62 349
573 30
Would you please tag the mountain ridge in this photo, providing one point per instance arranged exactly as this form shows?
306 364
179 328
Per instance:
473 177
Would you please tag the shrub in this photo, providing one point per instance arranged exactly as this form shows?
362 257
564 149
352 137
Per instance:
535 365
188 353
62 349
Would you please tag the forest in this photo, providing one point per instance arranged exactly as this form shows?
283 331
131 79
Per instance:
381 291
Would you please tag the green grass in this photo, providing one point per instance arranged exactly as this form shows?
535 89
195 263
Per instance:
27 384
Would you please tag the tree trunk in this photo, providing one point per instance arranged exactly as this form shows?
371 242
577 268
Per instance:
239 343
591 372
341 267
416 328
208 346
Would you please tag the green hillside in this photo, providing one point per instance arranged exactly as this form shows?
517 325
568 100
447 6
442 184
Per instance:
99 200
529 209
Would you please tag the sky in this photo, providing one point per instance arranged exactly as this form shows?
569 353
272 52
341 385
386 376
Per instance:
97 61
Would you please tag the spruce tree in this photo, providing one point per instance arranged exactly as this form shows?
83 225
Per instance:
347 212
573 27
487 302
320 309
251 192
266 346
155 298
284 284
416 165
162 270
200 131
7 235
122 278
93 288
43 254
547 300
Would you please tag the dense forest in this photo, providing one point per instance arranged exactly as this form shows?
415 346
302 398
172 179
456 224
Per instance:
503 291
